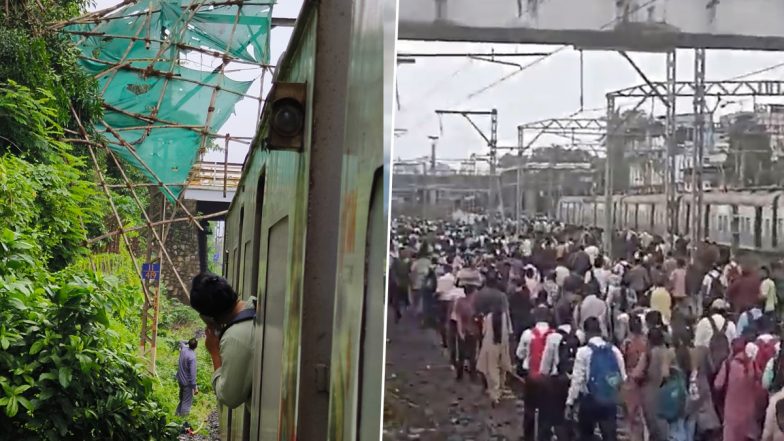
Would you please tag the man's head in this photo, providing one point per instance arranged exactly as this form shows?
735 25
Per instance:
212 296
593 327
541 314
193 343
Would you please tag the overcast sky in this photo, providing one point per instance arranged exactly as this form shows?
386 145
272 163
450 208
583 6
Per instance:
549 89
243 122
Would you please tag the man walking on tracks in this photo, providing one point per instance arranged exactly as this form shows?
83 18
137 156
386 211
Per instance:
186 376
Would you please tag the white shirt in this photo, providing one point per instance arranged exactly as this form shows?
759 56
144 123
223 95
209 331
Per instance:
592 252
445 284
582 368
703 332
561 273
526 247
523 351
602 277
752 348
550 358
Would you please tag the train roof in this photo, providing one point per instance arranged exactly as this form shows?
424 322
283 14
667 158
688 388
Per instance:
754 198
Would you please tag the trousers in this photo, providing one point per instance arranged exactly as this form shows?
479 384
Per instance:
186 400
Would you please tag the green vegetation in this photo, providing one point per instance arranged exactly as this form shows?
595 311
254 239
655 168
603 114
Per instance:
69 364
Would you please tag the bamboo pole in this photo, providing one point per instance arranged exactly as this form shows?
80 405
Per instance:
187 47
133 152
146 217
111 204
155 224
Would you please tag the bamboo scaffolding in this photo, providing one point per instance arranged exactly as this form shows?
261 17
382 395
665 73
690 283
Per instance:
127 49
111 204
146 217
155 224
165 75
213 98
133 152
184 46
99 16
154 119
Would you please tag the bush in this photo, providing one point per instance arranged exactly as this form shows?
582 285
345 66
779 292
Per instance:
67 365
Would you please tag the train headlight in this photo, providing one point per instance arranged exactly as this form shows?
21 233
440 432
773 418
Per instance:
287 116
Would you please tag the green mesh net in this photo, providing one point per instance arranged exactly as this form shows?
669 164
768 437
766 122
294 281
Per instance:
159 111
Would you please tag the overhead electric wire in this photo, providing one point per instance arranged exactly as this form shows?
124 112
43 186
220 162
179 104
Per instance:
523 69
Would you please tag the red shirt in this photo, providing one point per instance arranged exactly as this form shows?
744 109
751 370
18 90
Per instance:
744 292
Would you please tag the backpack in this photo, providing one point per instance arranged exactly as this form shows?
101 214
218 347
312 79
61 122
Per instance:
538 343
605 379
767 350
567 351
718 347
671 401
716 290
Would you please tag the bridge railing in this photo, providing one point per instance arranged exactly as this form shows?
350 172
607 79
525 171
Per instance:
215 174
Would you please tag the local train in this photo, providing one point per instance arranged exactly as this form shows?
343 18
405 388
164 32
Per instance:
744 220
306 233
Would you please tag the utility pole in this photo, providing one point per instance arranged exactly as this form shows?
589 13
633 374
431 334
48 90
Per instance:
698 149
608 177
671 130
492 143
433 195
518 183
433 140
494 159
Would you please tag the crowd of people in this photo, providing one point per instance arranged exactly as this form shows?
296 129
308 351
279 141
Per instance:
677 344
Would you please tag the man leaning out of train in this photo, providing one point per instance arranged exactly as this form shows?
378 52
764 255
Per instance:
229 336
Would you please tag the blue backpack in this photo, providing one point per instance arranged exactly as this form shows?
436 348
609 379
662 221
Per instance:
672 397
605 379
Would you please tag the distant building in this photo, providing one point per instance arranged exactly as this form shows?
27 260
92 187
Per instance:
646 158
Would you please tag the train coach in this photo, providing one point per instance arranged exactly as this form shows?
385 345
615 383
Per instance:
744 220
306 233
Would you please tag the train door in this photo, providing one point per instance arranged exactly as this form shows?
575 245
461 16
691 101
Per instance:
706 231
252 423
758 227
371 339
652 225
774 233
735 228
271 324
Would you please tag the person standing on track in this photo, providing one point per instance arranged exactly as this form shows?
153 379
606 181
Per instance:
186 376
597 377
494 356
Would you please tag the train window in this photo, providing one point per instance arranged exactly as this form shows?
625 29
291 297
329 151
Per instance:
371 339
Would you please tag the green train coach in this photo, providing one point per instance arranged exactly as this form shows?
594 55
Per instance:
306 233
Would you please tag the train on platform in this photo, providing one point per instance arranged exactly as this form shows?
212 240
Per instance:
306 233
751 220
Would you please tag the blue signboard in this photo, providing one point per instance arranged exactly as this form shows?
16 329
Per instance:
151 271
